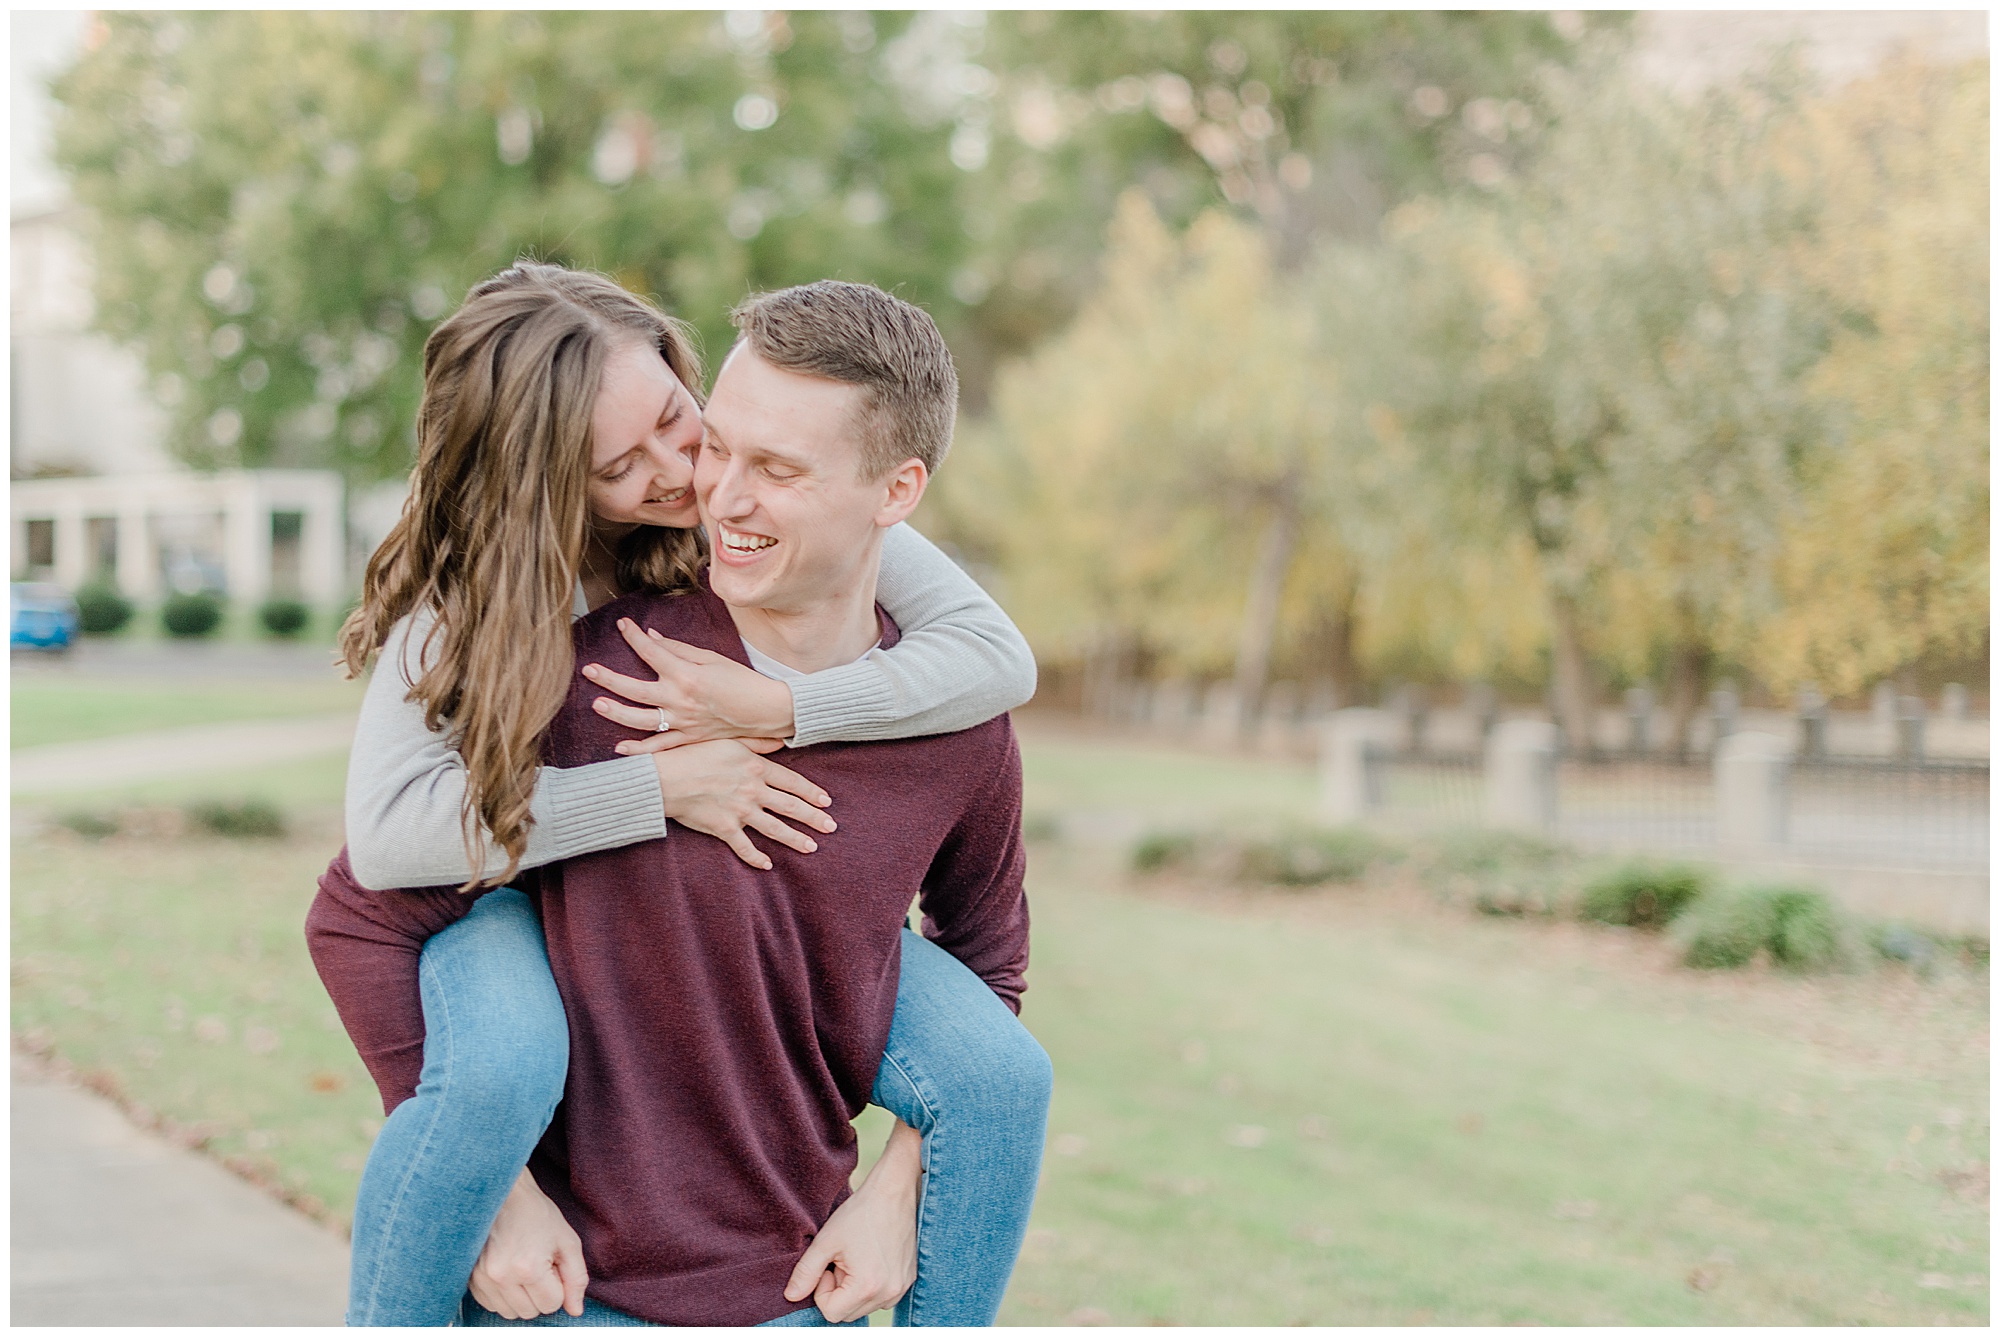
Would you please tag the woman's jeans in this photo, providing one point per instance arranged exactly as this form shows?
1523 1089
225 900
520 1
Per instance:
959 1068
596 1315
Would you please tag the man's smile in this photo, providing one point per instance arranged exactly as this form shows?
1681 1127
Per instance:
739 545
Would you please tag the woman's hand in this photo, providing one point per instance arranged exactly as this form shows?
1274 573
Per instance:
719 788
704 695
533 1261
865 1256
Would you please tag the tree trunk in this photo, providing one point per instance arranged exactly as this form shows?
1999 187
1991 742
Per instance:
1575 703
1341 664
1260 616
1689 675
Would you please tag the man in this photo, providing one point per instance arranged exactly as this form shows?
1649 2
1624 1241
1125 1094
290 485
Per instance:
727 1024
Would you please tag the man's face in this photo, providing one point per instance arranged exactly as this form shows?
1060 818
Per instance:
778 481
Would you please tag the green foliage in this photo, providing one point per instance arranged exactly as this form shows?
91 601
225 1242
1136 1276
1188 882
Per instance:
1642 895
284 617
88 823
253 819
191 615
1310 858
1164 851
1795 927
1503 873
1296 856
101 609
1041 827
286 202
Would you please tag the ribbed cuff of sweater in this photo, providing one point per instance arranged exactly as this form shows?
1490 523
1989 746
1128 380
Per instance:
848 702
603 805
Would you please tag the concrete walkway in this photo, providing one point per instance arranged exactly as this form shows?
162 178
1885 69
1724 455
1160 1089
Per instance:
115 1226
101 762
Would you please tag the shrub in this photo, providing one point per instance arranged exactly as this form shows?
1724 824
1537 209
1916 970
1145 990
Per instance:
190 615
1807 935
1499 872
1309 858
284 617
94 825
1040 827
1797 927
1641 895
1159 851
252 818
101 609
1474 850
1900 942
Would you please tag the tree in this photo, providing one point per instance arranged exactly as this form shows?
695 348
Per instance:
1154 471
1886 563
1312 123
1610 360
285 202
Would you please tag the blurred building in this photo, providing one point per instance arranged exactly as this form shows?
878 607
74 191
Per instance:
96 495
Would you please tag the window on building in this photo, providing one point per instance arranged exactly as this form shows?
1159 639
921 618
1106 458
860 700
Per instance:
101 541
41 543
287 538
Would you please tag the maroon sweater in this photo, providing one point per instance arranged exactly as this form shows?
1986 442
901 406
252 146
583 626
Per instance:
725 1024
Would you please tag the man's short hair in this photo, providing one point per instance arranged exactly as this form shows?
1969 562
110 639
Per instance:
861 336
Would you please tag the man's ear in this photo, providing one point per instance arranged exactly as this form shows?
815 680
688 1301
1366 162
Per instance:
902 490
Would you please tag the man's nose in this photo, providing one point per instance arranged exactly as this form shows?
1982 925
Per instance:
728 497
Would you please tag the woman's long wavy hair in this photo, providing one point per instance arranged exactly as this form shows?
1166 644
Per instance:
492 537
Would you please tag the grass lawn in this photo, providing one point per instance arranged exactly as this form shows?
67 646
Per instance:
1346 1106
68 711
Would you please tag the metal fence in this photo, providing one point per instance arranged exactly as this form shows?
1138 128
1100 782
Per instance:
1871 811
1848 810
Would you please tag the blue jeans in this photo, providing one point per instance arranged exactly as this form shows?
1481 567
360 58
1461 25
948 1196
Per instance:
595 1315
959 1068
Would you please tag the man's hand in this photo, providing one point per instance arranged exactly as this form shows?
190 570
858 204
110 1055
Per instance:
865 1256
720 788
705 695
533 1262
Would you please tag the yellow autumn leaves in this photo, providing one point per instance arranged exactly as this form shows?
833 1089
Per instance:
1707 388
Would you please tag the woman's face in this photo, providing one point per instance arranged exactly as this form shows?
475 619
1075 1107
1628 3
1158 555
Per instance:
643 436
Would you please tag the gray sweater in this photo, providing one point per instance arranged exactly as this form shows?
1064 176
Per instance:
960 662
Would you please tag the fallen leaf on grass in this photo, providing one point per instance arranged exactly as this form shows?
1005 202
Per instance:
1471 1123
326 1083
1973 1183
1704 1278
1071 1144
211 1030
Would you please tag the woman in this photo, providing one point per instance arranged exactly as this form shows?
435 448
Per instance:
553 473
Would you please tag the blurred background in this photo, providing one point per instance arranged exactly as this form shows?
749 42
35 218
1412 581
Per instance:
1500 502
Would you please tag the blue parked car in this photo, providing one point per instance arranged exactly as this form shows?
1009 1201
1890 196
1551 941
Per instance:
40 617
